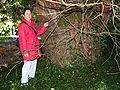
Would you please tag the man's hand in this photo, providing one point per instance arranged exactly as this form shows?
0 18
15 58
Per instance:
46 24
26 55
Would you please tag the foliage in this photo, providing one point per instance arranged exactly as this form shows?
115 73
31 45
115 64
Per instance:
12 9
52 76
107 46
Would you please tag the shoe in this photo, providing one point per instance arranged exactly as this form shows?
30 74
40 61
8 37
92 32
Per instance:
24 84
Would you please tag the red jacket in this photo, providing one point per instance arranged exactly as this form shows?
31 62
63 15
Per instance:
28 40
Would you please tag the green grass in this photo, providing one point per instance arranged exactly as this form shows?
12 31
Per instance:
49 75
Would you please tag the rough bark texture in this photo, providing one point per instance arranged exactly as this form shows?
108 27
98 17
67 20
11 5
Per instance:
62 33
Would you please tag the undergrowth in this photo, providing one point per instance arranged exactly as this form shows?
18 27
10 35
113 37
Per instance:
49 75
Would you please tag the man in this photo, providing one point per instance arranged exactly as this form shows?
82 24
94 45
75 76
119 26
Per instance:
29 45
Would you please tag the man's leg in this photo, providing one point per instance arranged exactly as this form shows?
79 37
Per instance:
33 68
25 71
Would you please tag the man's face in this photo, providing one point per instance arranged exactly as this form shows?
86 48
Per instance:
27 15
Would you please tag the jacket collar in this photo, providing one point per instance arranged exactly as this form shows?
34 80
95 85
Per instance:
28 22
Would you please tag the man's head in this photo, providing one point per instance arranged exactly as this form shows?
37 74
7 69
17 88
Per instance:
27 14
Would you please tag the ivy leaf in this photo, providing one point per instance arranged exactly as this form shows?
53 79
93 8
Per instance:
90 46
114 30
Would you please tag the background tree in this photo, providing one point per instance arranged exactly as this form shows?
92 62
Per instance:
12 9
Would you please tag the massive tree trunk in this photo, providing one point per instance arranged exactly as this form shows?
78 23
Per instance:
73 29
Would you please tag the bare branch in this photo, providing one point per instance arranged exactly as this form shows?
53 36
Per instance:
71 5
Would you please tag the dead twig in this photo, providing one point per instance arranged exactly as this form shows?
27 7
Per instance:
13 68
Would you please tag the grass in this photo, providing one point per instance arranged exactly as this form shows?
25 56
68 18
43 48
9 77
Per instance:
50 75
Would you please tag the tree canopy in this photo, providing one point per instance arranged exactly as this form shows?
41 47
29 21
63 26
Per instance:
12 9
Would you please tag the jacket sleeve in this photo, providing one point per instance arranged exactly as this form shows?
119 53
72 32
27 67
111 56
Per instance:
22 39
40 30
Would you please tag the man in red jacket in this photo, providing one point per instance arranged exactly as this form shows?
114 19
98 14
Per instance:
29 45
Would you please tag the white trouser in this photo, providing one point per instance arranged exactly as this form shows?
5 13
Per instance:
28 70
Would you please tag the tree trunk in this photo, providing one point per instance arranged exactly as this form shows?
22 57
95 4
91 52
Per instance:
76 31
